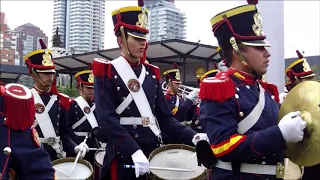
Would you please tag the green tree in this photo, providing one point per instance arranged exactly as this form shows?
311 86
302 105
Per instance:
72 92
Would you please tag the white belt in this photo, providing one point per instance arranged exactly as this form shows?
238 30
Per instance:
81 133
50 140
249 168
144 121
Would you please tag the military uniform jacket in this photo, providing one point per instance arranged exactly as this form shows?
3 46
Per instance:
58 119
124 140
28 160
225 101
79 126
178 105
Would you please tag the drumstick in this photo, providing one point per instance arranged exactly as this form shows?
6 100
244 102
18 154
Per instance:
162 168
61 171
194 154
97 149
78 155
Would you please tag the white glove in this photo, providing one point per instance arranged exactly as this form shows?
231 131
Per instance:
141 163
192 95
199 137
292 126
83 147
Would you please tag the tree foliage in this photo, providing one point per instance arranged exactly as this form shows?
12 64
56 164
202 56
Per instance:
72 92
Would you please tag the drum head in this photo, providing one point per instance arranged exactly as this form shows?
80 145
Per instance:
98 158
82 170
292 171
175 156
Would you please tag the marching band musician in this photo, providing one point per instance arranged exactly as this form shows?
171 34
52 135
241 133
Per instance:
50 117
196 125
130 104
178 105
22 156
81 115
297 72
239 116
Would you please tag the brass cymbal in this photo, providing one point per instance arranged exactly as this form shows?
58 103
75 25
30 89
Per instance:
304 97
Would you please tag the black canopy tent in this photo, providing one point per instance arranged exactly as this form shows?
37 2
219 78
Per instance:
160 52
164 52
12 73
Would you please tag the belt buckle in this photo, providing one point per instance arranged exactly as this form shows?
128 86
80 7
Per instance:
145 121
51 141
280 170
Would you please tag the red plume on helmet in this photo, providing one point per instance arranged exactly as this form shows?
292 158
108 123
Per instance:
140 3
43 46
254 2
299 54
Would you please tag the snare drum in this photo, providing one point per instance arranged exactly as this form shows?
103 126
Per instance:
176 156
292 171
98 162
82 170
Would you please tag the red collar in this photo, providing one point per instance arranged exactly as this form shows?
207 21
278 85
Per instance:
171 92
243 76
132 64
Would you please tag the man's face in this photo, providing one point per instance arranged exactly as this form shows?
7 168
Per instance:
175 86
136 46
88 91
46 77
257 58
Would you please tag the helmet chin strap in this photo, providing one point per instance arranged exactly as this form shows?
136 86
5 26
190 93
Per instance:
242 58
82 92
124 40
37 76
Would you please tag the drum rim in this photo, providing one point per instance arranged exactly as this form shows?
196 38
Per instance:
72 159
174 146
95 162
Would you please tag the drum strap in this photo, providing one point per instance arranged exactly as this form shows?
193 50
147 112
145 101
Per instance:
89 116
126 73
249 121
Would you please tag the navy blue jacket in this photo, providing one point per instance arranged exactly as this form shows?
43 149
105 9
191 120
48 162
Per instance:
224 103
28 160
124 140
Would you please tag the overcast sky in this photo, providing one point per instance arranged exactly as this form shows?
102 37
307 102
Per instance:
301 20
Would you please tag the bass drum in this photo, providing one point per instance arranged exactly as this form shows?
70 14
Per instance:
82 170
176 156
292 171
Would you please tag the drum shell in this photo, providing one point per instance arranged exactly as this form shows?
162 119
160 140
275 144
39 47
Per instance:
72 159
97 165
152 176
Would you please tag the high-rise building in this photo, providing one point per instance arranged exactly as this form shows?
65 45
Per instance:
28 36
165 20
81 24
8 42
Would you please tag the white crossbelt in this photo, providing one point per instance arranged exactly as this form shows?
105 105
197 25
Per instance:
126 73
82 103
45 124
249 121
129 98
249 168
43 119
177 101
